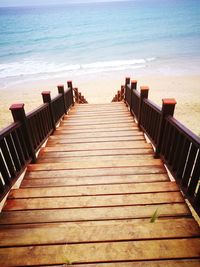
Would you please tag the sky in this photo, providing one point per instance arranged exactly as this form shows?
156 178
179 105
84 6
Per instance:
4 3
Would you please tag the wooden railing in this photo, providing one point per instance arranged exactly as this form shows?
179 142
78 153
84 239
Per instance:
79 98
176 145
20 141
120 95
14 155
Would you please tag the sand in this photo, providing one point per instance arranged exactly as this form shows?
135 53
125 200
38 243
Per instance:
101 89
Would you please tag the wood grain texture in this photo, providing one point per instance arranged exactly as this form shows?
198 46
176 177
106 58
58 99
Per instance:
115 162
63 140
108 159
108 189
98 180
93 201
93 214
100 252
155 263
64 133
97 172
99 146
84 232
106 152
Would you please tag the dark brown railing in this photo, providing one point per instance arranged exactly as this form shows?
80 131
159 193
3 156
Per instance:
120 95
14 155
176 145
20 141
39 123
150 120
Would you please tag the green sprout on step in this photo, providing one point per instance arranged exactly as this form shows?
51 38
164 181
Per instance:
155 216
68 262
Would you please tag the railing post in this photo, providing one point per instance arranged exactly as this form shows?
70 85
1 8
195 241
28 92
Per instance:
133 87
76 94
69 84
168 107
61 90
79 98
18 114
122 92
144 92
46 96
127 81
118 96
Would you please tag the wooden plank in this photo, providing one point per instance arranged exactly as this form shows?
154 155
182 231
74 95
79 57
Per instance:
131 151
101 252
107 158
100 146
60 133
102 111
83 232
92 138
55 140
156 263
113 125
103 114
104 106
97 130
97 213
101 108
49 181
93 172
95 108
98 120
119 162
93 201
99 116
109 189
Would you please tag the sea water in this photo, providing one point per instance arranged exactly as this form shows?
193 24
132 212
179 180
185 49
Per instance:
144 36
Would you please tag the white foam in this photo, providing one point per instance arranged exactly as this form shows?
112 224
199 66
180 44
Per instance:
35 67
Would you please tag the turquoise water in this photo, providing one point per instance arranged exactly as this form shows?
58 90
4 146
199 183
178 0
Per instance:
142 35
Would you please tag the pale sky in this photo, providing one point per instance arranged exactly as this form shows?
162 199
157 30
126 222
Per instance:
4 3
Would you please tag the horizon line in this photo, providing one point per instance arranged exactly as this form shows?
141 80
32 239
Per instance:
67 3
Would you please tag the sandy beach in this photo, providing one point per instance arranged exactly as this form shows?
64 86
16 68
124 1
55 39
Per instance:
101 89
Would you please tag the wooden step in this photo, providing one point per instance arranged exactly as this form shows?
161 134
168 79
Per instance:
103 114
100 146
64 164
98 116
64 133
90 153
93 201
101 252
98 126
109 159
96 130
149 263
96 121
93 214
94 190
54 140
49 181
60 233
78 173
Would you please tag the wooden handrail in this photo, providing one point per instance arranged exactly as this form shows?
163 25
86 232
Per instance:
20 141
178 147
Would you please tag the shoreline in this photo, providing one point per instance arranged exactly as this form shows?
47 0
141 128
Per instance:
101 88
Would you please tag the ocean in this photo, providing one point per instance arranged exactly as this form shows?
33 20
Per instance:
141 36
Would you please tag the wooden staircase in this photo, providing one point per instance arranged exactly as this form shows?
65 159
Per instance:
89 200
